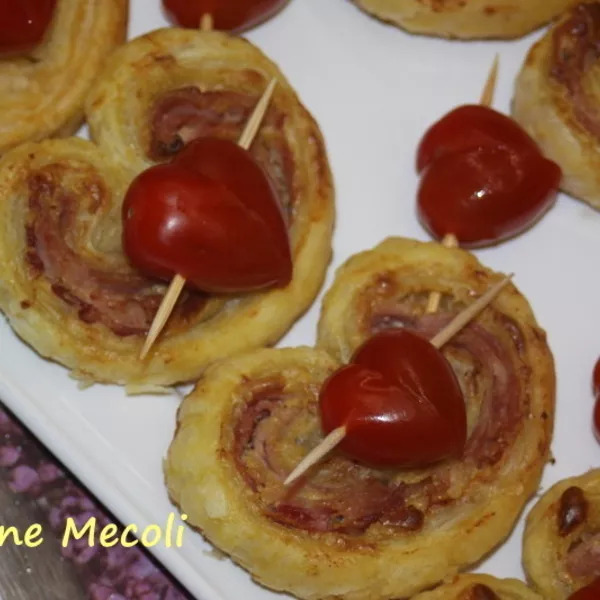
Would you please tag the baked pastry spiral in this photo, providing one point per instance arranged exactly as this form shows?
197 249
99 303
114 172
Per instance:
501 358
65 283
556 99
480 587
562 537
42 93
466 19
346 530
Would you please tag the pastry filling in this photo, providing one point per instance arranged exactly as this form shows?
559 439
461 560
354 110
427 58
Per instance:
582 537
572 511
575 52
278 425
488 357
181 116
61 246
583 557
66 202
480 592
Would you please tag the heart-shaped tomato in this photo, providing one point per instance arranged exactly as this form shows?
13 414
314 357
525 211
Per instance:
483 178
589 592
486 195
225 161
400 402
470 127
177 220
228 15
23 23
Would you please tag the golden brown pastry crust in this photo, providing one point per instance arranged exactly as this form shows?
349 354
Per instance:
42 94
78 187
466 19
478 587
556 99
239 434
561 529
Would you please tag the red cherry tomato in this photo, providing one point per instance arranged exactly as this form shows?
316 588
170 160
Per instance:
23 23
230 164
484 179
400 402
176 220
485 195
228 15
470 127
589 592
596 379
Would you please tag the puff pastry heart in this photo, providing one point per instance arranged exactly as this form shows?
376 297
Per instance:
347 530
466 18
42 93
480 587
556 99
562 537
65 284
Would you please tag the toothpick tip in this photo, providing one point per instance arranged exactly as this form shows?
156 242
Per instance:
163 313
207 22
257 116
317 453
487 96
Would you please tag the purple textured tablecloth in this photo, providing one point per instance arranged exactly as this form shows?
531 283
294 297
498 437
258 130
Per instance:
115 573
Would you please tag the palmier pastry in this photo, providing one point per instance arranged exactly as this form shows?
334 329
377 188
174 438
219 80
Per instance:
65 283
480 587
501 358
42 92
466 19
556 99
561 548
346 530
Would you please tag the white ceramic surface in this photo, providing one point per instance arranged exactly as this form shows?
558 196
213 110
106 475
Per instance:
374 90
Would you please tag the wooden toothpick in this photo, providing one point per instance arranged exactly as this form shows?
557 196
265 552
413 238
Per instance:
433 303
489 90
163 313
253 124
170 298
441 338
316 454
207 23
450 240
469 313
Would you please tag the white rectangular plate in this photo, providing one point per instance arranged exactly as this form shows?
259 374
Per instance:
374 90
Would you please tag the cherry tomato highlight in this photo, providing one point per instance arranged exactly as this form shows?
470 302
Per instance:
485 195
23 24
483 178
228 15
176 220
589 592
400 402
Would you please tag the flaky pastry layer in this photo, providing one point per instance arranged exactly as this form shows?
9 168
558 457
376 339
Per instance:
562 536
347 530
42 94
480 587
466 19
65 284
556 99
